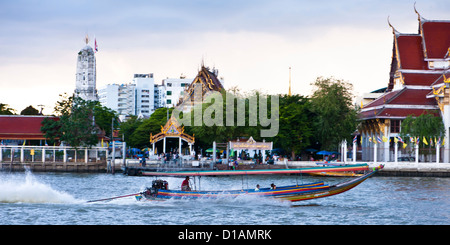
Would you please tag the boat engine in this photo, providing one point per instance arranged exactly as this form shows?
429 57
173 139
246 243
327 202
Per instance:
156 185
160 184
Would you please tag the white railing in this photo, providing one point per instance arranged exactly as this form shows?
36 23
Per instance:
44 154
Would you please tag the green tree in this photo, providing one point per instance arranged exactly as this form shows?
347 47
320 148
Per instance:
335 115
79 122
140 138
5 110
245 123
295 124
128 127
30 110
104 117
78 128
425 125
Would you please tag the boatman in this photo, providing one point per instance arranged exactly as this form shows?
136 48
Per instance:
185 185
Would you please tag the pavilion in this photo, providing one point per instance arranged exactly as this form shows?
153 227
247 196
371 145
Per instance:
172 129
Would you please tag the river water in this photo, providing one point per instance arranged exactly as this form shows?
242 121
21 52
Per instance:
61 199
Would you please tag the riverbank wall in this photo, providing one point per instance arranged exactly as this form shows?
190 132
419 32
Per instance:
406 169
97 167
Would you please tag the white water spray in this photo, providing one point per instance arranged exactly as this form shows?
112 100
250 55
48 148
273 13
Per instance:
17 188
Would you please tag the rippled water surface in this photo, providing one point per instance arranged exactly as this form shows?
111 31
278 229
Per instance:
61 198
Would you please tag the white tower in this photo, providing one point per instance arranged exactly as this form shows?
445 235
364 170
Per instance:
86 87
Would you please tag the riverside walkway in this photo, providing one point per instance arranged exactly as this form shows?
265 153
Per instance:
411 169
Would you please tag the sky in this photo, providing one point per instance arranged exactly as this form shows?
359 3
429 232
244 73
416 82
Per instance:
252 43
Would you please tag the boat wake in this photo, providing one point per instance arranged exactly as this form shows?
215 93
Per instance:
19 188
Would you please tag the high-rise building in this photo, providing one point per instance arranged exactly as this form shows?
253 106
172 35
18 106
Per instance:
85 86
119 97
174 89
144 87
135 98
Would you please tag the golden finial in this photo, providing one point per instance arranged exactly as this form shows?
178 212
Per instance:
86 39
290 81
389 23
415 10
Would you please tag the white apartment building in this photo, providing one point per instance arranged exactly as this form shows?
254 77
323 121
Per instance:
135 98
159 96
174 89
142 96
119 97
145 102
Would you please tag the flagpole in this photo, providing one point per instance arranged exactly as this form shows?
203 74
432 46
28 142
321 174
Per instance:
374 152
437 153
395 149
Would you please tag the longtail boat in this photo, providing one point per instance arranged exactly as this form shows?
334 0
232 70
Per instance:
335 173
159 189
355 167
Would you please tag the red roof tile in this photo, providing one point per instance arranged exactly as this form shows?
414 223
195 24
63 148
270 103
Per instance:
21 127
410 52
421 79
436 35
402 98
413 97
391 112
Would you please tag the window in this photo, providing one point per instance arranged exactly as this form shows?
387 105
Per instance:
169 84
169 92
169 102
395 126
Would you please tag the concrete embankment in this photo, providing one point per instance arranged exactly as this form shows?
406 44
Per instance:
409 169
98 167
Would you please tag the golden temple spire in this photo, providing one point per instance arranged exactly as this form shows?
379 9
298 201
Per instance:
290 81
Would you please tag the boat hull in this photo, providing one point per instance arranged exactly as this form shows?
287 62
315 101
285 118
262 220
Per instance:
336 174
293 193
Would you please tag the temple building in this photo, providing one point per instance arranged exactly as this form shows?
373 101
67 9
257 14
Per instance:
17 129
172 129
418 84
207 81
85 86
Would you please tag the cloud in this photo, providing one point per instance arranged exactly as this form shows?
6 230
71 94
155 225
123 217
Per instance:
252 43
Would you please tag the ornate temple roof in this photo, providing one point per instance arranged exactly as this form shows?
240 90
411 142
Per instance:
208 82
399 104
411 87
410 53
435 44
19 127
171 129
207 79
